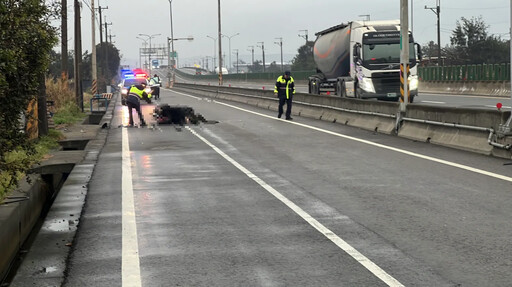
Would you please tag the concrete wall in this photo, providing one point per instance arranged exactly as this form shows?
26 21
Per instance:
18 218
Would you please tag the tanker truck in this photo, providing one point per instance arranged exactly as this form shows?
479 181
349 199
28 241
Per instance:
361 59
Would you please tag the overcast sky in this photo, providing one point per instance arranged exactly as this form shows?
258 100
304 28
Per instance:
266 20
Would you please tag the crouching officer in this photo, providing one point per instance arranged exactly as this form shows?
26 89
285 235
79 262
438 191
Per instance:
285 89
133 97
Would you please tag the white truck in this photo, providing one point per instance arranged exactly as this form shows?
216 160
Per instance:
361 59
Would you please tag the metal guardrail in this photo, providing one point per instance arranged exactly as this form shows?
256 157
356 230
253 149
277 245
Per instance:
466 73
252 93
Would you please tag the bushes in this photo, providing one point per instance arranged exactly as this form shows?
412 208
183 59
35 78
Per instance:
65 108
24 58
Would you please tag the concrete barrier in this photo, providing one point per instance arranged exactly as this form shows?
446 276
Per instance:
462 128
466 129
488 88
370 115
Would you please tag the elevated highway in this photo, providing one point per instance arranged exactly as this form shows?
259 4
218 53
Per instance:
258 201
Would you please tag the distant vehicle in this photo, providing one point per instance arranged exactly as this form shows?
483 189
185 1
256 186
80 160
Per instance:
362 59
224 71
130 80
155 64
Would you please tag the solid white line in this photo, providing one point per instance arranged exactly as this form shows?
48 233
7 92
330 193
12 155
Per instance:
363 260
441 161
130 249
432 102
503 107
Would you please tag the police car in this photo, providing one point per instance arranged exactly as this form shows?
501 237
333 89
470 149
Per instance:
133 78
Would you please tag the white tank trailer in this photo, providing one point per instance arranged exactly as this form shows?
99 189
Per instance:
362 59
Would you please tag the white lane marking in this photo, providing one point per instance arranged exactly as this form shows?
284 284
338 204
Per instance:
130 249
441 161
433 102
359 257
503 107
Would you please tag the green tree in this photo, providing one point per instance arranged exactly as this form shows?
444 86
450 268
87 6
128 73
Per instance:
471 44
304 61
24 60
273 68
105 76
55 68
256 67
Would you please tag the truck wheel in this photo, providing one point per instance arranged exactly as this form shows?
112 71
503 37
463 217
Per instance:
314 87
357 93
340 89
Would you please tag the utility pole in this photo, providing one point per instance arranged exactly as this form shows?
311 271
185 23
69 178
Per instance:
78 57
252 52
305 35
404 55
93 32
111 36
280 43
263 51
437 11
105 50
101 23
236 51
64 39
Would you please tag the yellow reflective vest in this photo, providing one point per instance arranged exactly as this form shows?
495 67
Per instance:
284 87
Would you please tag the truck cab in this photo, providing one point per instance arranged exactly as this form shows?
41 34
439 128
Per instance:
375 68
362 59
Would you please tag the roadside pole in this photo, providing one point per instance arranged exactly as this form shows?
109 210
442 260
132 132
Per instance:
404 55
94 88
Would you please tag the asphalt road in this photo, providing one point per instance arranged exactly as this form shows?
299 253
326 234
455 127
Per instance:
446 100
258 201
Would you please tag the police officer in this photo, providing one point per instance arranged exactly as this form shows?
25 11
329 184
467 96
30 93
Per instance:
285 89
133 97
156 84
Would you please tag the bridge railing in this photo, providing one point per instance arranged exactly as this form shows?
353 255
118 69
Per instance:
465 73
272 76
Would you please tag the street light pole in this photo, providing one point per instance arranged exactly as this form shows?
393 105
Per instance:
229 38
150 49
220 49
280 43
140 56
170 63
214 50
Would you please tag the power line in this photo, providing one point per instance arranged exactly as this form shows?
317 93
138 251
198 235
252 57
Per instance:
488 8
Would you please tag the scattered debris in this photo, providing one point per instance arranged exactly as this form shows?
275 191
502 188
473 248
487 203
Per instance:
178 115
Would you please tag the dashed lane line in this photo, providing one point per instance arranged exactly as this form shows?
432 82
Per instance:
359 257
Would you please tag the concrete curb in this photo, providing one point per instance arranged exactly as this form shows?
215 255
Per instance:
51 246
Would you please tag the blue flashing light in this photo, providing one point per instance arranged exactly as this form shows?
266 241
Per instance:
129 76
